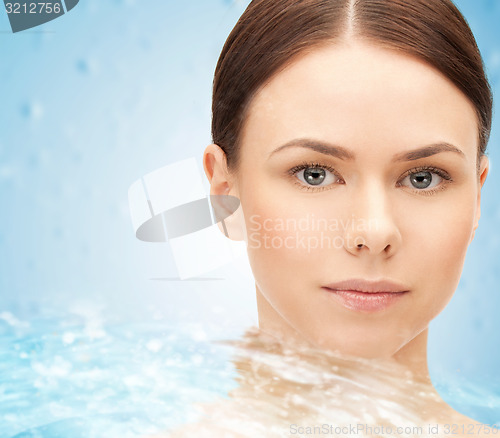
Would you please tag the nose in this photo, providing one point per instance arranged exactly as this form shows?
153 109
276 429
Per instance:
372 228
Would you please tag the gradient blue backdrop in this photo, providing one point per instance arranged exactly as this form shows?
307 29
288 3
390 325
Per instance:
115 89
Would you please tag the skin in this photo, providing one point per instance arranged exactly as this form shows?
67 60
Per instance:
376 103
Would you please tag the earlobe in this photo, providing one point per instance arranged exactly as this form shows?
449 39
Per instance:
214 163
484 168
223 193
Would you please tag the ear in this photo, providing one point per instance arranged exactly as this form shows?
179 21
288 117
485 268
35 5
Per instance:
223 182
484 167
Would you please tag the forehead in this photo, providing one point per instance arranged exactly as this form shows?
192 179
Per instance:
360 95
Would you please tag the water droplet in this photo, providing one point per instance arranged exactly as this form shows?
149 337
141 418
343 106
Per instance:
68 338
86 66
154 345
32 110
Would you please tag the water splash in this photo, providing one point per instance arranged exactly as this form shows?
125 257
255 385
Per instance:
82 376
285 390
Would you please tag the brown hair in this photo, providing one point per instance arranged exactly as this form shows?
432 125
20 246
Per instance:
270 33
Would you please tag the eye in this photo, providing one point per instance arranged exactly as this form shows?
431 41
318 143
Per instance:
425 179
313 175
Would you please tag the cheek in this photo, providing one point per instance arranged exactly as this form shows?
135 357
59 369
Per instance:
437 250
296 232
275 237
450 237
282 246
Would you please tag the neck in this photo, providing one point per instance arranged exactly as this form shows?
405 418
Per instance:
274 362
411 358
409 363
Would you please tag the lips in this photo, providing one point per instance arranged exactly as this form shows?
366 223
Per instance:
366 286
366 296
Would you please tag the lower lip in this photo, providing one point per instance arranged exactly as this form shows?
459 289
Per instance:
365 301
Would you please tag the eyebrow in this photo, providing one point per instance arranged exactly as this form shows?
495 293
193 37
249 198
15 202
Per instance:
344 154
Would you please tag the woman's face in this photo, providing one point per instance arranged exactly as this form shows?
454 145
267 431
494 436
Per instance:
368 160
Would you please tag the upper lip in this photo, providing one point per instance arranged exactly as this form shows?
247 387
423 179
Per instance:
361 285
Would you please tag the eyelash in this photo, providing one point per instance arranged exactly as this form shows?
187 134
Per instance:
440 172
294 170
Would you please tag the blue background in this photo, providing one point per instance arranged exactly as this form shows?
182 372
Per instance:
112 90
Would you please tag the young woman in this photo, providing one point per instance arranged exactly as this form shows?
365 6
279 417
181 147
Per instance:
354 134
